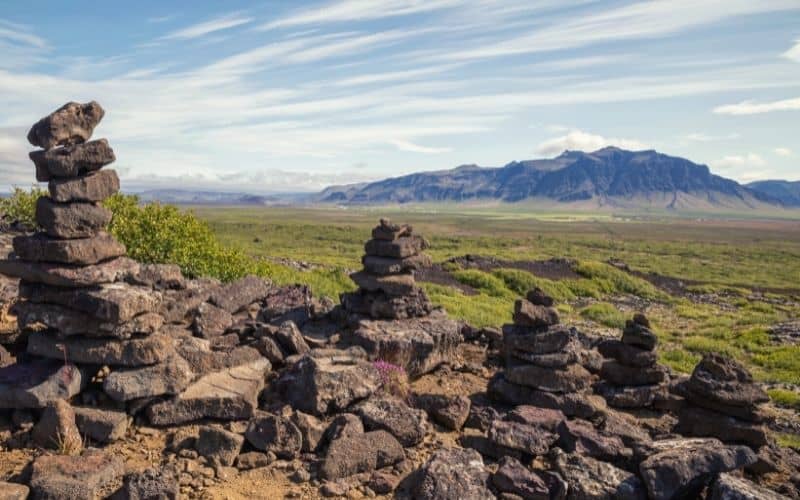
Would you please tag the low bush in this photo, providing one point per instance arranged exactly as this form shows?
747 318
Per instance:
20 206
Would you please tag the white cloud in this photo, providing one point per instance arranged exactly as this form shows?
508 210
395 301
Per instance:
701 137
19 34
794 52
750 159
783 151
578 140
212 26
753 108
416 148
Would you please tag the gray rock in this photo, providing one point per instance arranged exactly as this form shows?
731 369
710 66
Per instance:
211 321
344 425
102 426
730 487
400 248
134 352
388 231
418 344
311 428
68 322
82 251
324 386
513 477
537 297
39 383
93 187
378 305
178 305
684 466
219 445
276 434
360 453
453 474
394 285
169 377
159 276
71 220
528 440
725 381
270 349
640 336
572 404
539 418
580 436
230 394
72 123
56 428
591 479
450 412
71 161
627 354
13 491
572 353
114 303
552 340
290 338
253 460
152 484
531 315
407 424
704 423
69 276
385 265
571 378
93 475
640 396
622 375
239 294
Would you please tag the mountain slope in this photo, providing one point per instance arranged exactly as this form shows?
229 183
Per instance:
787 192
607 177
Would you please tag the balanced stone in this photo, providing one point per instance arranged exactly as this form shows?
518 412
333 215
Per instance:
626 353
619 374
93 187
576 404
400 248
71 220
169 377
69 276
388 231
71 161
114 302
72 123
518 338
529 314
135 352
82 251
68 322
394 285
636 334
571 378
387 265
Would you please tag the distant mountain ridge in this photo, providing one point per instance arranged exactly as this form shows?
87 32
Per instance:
608 177
190 197
787 192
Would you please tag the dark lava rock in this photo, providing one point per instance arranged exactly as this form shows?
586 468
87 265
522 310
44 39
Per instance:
90 476
591 479
408 425
276 434
360 453
72 123
219 445
82 251
453 474
513 477
450 412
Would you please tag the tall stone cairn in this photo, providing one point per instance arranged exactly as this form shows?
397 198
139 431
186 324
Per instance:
74 304
631 376
545 363
724 402
386 286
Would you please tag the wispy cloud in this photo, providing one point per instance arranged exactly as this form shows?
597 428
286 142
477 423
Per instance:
212 26
17 33
749 159
416 148
701 137
794 52
160 19
783 152
753 108
578 140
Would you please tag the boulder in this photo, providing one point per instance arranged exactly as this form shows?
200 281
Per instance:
393 285
591 479
324 386
71 220
102 426
211 321
82 251
96 186
290 338
152 484
113 303
344 425
407 424
239 294
725 381
169 377
132 353
72 123
571 378
56 429
683 467
417 344
311 428
38 383
69 276
513 477
13 491
90 476
275 434
530 315
450 412
730 487
360 453
453 474
528 440
385 265
230 394
400 248
218 445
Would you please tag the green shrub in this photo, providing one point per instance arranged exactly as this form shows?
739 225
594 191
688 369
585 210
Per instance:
605 314
20 206
613 280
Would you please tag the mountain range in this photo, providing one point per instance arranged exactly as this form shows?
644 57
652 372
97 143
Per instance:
787 192
609 177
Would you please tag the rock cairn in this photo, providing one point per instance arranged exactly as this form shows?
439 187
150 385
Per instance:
545 363
631 376
724 403
386 287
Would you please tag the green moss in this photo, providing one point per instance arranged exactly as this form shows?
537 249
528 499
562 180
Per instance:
605 314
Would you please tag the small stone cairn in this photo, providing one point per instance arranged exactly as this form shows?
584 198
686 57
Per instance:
386 286
724 402
631 376
545 363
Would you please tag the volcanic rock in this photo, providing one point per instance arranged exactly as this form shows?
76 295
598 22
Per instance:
290 338
392 285
134 352
622 375
81 251
239 294
103 426
115 303
453 474
72 123
211 321
169 377
219 445
524 438
730 487
71 220
386 265
276 434
530 315
93 475
69 276
388 231
406 246
57 428
360 453
580 436
513 477
592 479
571 404
38 383
93 187
572 378
13 491
407 424
152 484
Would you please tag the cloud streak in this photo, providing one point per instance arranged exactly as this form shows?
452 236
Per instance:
754 108
205 28
578 140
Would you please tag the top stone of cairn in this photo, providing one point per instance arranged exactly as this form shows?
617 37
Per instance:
73 123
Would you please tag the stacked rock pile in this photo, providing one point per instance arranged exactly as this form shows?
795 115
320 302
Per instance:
725 403
386 287
545 363
631 376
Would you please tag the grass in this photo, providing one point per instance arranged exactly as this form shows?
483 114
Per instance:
605 314
789 440
785 398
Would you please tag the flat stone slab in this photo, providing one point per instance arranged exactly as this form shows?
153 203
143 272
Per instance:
39 383
69 276
72 123
71 220
103 426
360 453
114 302
571 378
640 396
237 295
400 248
67 322
387 265
525 339
169 377
573 404
71 161
418 344
96 186
81 251
90 476
230 394
395 285
134 352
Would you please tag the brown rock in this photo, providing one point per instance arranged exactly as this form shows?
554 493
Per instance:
385 265
388 231
527 439
39 383
393 285
71 220
114 303
72 123
400 248
102 426
13 491
169 377
56 429
537 297
239 294
219 445
572 378
90 476
407 424
360 453
290 338
627 354
71 161
619 374
82 251
135 352
549 341
513 477
211 321
528 314
93 187
449 411
276 434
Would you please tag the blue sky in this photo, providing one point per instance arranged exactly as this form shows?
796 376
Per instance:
291 96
